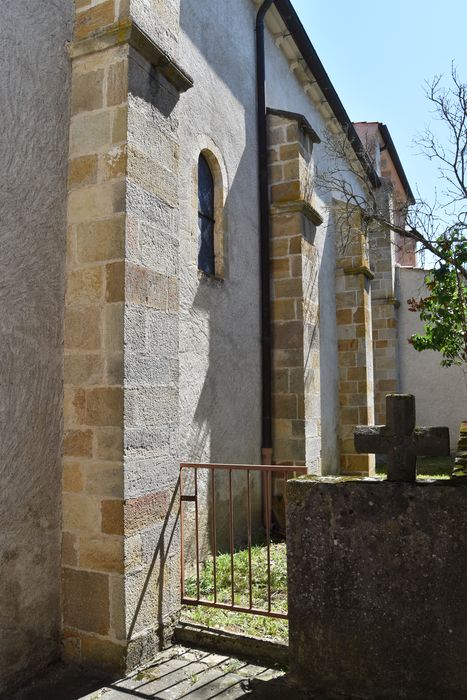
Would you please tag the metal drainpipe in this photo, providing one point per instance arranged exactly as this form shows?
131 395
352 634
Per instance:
266 331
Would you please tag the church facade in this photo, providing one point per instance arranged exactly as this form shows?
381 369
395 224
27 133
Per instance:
140 313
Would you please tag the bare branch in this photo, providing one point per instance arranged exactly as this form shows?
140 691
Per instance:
430 224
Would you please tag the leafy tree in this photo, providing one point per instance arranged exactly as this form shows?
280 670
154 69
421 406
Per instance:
443 311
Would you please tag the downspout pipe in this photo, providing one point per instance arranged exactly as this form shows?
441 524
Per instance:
264 225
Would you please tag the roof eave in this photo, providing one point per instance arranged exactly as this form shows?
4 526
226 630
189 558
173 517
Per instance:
307 50
386 136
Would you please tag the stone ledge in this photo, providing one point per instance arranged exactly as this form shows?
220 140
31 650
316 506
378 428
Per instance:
298 205
223 642
386 301
302 121
360 270
128 32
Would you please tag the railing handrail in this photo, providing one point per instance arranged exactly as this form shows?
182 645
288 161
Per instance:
246 467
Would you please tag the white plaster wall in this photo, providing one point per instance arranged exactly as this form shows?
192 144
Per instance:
220 322
34 93
440 392
220 371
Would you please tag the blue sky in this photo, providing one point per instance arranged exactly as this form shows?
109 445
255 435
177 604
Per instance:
378 56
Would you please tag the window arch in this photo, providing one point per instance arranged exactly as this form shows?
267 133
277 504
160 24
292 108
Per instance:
210 179
206 217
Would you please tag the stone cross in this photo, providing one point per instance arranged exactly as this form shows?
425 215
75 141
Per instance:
400 440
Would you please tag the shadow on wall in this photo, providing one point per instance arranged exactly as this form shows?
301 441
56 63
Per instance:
222 326
157 577
220 353
234 63
221 318
148 84
329 364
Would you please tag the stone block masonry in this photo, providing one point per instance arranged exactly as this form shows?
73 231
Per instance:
120 569
377 595
294 275
354 333
93 475
152 585
383 252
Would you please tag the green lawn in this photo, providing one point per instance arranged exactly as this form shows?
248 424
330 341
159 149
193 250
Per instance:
427 468
255 625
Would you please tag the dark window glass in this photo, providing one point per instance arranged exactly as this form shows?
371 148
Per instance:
205 217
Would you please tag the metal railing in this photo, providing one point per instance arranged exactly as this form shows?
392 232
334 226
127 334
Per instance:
212 473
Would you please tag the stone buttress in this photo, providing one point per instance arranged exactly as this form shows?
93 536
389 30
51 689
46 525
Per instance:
354 333
120 569
383 254
294 293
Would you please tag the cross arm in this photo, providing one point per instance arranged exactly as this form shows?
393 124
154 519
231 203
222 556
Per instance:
431 442
372 439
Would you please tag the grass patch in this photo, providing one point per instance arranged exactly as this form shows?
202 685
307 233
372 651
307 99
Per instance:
427 468
255 625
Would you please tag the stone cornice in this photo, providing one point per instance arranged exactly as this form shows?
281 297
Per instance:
301 120
388 301
128 32
300 205
360 270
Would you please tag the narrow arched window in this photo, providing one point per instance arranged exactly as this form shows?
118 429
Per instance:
206 221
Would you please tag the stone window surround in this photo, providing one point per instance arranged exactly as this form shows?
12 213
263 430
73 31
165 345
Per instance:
218 171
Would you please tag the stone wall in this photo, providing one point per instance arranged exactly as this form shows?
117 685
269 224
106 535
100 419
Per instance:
294 292
354 329
120 572
34 94
151 373
383 253
93 480
377 595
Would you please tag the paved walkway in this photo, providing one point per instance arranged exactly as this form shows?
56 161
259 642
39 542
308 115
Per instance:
177 673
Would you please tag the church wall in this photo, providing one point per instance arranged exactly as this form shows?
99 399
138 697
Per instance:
93 545
220 389
383 255
34 94
151 368
220 351
121 345
294 306
285 92
440 392
355 346
219 114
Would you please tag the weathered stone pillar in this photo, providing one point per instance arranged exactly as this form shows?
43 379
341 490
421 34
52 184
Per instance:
151 464
382 255
354 332
120 569
93 488
294 274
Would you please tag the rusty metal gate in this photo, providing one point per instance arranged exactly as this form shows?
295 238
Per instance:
240 486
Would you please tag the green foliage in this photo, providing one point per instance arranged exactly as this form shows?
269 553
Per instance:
444 311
